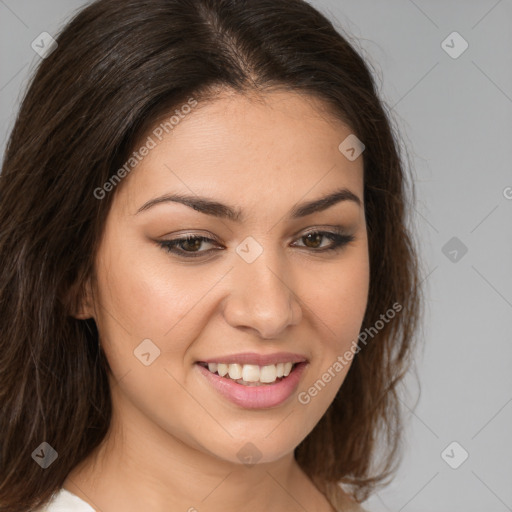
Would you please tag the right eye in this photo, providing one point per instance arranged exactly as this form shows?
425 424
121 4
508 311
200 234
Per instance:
186 247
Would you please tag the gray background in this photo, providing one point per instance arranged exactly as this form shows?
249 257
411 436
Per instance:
455 115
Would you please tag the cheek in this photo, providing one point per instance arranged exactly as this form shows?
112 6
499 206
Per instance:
143 297
337 309
145 294
340 300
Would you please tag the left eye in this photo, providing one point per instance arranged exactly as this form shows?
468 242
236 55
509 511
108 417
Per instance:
338 240
189 246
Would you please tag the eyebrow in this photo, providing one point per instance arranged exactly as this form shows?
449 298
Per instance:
217 209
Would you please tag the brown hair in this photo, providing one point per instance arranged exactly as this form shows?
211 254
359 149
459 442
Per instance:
121 65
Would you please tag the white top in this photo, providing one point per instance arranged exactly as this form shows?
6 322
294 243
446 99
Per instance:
65 501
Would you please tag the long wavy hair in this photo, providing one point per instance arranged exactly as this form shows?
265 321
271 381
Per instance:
121 66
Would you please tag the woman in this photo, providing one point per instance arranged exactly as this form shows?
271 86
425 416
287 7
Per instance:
208 293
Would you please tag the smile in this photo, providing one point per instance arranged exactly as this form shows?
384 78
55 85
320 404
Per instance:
251 374
253 386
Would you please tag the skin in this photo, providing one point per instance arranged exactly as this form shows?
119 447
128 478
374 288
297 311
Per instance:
173 440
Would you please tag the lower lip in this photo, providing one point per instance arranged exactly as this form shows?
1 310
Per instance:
255 397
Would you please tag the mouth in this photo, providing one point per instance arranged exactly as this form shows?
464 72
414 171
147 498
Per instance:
251 374
253 386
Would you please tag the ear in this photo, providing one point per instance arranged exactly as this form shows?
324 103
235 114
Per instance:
81 301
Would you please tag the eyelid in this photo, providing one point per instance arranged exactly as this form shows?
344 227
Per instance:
338 235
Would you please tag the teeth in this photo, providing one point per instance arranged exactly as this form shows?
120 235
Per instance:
235 371
252 374
222 369
268 373
248 384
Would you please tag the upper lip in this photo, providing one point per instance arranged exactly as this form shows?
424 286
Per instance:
257 359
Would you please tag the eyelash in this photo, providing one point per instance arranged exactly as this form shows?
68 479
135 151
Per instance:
339 241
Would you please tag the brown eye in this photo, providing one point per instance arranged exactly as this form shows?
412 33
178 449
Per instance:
187 247
192 244
314 240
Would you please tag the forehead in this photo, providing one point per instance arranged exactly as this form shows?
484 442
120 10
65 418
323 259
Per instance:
278 145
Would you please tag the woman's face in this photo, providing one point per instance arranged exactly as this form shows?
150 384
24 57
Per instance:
261 292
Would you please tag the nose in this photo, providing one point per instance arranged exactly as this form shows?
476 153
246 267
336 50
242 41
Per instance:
260 299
